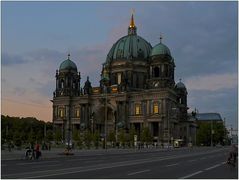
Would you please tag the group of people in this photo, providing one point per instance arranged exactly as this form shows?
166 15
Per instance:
33 152
233 155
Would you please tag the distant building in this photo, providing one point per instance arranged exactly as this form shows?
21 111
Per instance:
137 89
208 117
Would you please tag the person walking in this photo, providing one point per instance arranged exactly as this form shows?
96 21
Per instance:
233 155
37 150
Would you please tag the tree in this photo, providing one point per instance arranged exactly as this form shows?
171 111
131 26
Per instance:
122 136
87 138
132 133
146 135
204 133
111 136
58 135
96 139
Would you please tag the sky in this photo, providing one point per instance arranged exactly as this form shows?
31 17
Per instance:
37 36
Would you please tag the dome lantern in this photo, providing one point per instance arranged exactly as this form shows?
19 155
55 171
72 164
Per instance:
132 29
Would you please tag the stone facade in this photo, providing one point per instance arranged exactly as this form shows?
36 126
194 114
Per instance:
137 89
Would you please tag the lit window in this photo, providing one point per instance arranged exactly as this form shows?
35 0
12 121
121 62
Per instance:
156 108
61 114
119 78
137 109
77 113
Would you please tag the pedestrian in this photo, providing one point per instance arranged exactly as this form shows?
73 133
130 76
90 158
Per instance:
37 150
233 155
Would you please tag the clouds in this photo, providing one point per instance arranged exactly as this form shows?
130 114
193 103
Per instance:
9 59
212 82
202 37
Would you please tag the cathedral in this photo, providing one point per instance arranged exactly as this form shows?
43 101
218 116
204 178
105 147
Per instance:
137 90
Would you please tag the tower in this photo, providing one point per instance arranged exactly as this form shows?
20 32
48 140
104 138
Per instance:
67 87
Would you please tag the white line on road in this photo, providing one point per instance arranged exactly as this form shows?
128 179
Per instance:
41 162
190 175
202 158
138 172
212 167
172 165
73 170
49 165
192 160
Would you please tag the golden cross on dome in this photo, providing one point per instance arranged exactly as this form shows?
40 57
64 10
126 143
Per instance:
132 19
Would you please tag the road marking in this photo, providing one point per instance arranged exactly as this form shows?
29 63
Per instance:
138 172
212 167
72 170
190 175
211 156
172 165
41 162
192 160
202 158
49 165
95 160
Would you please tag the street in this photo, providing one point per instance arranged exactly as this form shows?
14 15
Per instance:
200 163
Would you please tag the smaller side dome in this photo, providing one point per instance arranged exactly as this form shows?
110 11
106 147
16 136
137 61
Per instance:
160 49
68 64
180 85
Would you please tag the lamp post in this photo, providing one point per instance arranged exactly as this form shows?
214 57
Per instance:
105 116
168 123
212 132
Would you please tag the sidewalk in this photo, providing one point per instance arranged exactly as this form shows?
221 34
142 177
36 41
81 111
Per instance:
58 152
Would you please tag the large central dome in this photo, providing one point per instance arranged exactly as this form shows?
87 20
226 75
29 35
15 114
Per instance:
130 47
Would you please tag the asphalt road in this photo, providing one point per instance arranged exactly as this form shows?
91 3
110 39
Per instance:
197 163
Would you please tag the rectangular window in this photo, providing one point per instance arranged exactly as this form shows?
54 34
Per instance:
119 78
77 112
156 108
61 113
137 109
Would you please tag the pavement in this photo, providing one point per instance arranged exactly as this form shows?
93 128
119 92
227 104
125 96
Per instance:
182 163
59 152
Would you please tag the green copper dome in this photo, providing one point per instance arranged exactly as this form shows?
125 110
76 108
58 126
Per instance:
68 65
160 49
180 85
130 47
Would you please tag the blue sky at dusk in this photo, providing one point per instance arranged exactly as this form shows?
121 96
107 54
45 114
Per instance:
37 36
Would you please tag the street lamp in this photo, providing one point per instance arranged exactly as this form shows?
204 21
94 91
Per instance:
105 116
168 124
105 82
212 132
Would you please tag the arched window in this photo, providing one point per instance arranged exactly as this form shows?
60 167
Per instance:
138 110
119 78
61 113
156 108
77 112
156 72
62 83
